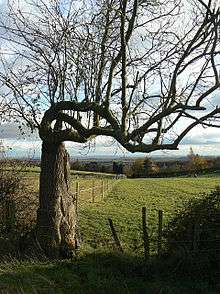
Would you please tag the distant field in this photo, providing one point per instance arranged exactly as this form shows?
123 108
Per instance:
30 171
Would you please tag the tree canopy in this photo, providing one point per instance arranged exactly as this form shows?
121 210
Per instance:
141 72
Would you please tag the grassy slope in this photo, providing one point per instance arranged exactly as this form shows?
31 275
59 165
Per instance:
104 273
124 204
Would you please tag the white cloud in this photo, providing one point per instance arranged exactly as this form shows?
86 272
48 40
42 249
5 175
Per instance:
22 148
202 136
11 131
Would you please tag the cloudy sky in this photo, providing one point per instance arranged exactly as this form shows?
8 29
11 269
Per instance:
203 141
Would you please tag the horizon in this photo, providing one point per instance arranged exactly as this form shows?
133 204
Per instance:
34 153
205 142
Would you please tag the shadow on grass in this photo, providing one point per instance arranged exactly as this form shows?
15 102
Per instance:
101 272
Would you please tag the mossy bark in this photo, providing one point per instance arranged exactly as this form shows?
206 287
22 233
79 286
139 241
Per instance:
57 228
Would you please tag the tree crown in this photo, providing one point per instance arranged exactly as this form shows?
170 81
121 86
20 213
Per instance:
123 69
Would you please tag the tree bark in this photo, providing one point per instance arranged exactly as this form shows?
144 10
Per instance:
57 231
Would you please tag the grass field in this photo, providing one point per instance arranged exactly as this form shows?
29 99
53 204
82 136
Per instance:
96 269
124 205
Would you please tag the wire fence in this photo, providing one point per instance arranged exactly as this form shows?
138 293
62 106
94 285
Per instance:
198 237
93 192
14 212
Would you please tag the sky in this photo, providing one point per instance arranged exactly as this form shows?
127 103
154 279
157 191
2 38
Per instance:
203 141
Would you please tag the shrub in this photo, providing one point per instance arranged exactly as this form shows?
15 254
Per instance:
10 184
198 222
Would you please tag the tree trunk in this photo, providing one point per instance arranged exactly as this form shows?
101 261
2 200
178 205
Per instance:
57 231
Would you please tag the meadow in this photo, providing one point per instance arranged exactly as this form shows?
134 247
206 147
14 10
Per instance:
123 202
97 268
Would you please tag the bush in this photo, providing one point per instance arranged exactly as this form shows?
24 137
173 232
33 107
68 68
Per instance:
10 184
197 226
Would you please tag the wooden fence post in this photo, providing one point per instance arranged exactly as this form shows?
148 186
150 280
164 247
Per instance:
77 196
160 231
93 191
115 236
103 189
145 234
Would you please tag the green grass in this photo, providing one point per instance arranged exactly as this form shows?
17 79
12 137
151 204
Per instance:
96 269
96 273
124 205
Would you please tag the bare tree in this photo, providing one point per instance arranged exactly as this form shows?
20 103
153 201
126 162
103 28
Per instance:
141 72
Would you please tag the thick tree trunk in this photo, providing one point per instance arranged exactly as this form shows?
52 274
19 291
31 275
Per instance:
57 231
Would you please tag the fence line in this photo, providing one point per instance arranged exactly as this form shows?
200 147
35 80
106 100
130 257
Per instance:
194 244
103 187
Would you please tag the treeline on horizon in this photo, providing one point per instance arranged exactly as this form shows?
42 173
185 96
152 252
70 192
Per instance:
146 167
193 165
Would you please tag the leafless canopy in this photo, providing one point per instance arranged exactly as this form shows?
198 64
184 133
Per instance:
141 72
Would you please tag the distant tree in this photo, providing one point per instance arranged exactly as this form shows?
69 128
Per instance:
216 163
150 166
143 167
137 168
196 162
191 153
75 165
118 167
